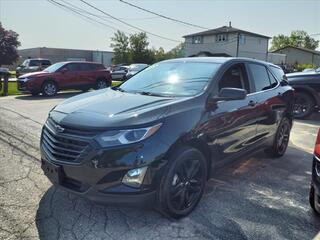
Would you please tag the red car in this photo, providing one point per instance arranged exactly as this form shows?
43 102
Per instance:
65 75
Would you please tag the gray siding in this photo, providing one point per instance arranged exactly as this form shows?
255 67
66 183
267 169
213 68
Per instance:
60 55
295 56
253 46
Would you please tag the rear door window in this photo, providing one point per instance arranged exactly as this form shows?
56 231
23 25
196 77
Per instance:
278 73
260 77
34 63
45 62
73 67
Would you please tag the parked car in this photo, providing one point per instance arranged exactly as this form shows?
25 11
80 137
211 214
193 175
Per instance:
307 97
119 73
32 65
314 195
158 138
133 69
308 70
65 75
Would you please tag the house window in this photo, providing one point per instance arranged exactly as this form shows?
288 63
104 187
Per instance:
222 38
242 39
197 39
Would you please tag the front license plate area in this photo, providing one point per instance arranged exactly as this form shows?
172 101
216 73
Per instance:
53 172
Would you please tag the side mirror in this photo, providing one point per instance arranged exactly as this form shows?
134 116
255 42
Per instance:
64 70
227 94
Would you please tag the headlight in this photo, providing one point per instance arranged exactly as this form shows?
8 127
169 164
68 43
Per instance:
121 137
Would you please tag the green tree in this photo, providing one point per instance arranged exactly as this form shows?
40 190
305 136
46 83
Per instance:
8 46
176 52
139 52
120 45
297 38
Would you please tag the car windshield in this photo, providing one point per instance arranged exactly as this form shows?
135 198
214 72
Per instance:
136 67
54 67
172 79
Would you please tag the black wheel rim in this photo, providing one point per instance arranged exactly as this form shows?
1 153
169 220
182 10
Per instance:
301 106
186 185
283 137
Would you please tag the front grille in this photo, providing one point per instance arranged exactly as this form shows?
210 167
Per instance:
21 85
69 146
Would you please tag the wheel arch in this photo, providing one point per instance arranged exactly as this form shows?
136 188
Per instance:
197 144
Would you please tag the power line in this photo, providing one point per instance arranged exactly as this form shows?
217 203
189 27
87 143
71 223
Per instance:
85 17
102 16
163 16
128 24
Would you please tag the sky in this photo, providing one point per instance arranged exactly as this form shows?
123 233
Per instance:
41 24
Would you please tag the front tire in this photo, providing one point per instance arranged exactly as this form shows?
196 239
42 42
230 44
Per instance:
183 183
281 139
49 89
101 84
303 105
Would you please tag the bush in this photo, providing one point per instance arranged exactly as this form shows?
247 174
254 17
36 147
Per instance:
301 67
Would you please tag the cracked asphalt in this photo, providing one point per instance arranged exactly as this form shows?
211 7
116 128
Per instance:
254 198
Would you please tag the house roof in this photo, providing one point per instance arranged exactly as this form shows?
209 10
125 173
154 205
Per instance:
299 48
224 29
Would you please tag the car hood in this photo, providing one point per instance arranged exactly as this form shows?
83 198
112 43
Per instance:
34 74
109 108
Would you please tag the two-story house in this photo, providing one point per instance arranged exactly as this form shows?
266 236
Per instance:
227 41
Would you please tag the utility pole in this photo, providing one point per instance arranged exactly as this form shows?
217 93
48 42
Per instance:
237 54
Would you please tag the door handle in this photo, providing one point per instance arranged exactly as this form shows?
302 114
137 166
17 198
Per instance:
252 103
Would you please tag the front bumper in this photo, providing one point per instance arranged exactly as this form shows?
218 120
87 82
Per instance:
96 173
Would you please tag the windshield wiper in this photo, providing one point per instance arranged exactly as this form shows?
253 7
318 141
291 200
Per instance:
118 89
151 94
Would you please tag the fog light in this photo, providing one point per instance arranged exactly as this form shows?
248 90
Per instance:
134 177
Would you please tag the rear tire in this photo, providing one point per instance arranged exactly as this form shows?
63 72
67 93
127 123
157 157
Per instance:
281 139
183 183
303 105
312 200
49 89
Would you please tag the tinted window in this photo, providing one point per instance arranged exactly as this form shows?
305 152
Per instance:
45 62
73 67
235 77
86 67
277 72
260 77
173 78
273 80
34 63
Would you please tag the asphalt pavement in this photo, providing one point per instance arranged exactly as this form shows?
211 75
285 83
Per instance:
253 198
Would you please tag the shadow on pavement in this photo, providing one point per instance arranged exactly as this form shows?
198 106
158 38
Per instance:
60 95
256 198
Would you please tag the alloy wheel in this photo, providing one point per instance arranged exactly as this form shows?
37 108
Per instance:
101 84
283 137
186 185
50 89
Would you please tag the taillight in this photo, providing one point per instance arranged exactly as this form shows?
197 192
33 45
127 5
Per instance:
317 147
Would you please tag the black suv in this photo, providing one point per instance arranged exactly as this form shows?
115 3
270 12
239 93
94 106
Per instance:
307 96
161 135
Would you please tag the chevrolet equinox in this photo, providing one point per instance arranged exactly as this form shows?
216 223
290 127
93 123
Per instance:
158 138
